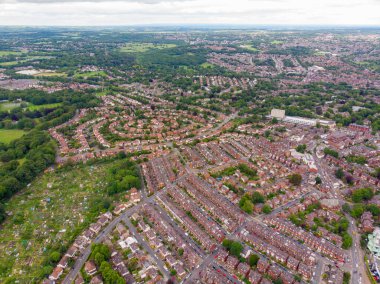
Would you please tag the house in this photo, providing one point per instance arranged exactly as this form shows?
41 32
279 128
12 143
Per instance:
96 280
63 262
243 269
71 251
90 267
262 266
57 272
79 279
254 277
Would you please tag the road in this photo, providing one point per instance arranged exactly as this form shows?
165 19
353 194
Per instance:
355 262
147 248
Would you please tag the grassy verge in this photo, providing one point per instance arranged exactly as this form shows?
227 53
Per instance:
8 135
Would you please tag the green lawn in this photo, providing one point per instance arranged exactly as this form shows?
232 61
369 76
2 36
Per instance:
8 135
90 74
276 42
249 47
143 47
6 52
37 107
7 106
46 216
207 65
51 74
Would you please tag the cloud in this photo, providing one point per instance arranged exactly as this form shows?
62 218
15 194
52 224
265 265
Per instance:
138 12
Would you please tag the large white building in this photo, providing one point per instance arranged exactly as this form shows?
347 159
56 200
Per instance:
280 114
374 243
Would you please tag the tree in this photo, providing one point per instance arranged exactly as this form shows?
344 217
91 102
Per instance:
247 207
331 152
267 209
346 208
357 210
347 241
236 249
54 256
295 179
339 173
318 180
99 258
346 277
253 259
362 194
257 197
301 148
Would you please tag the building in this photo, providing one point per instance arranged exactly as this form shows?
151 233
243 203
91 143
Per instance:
278 113
374 243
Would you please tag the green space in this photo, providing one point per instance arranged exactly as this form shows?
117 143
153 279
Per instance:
249 47
51 74
276 42
143 47
47 216
321 53
7 106
6 53
90 74
44 106
8 135
207 65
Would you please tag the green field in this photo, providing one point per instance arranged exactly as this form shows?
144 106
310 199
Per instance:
51 74
8 135
25 59
91 74
143 47
207 65
249 47
6 53
276 42
46 216
37 107
7 106
321 53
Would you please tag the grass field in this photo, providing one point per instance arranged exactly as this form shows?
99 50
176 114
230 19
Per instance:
249 47
47 216
321 53
207 65
37 107
8 106
6 53
143 47
8 135
51 74
276 42
90 74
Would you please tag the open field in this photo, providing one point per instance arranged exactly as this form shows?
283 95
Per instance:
249 47
47 216
6 106
8 135
207 65
51 74
276 42
90 74
37 107
143 47
6 53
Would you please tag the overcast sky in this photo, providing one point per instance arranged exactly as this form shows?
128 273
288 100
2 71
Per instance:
148 12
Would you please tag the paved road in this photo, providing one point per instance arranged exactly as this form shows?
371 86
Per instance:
179 231
147 248
70 277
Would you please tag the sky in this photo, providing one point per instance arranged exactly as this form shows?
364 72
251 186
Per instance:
184 12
